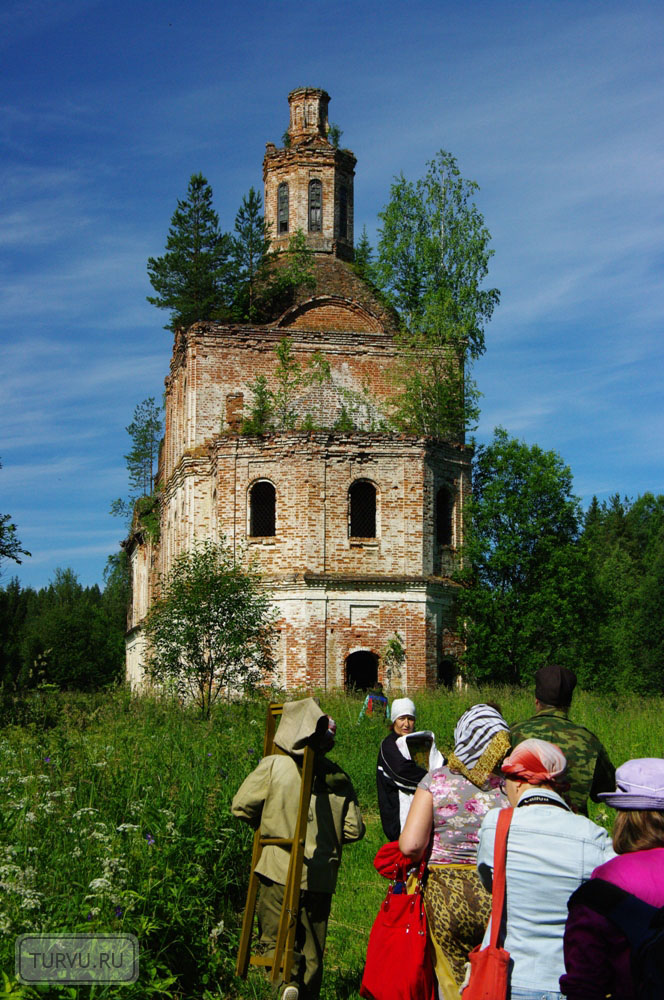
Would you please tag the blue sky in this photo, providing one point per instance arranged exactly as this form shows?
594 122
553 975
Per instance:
106 109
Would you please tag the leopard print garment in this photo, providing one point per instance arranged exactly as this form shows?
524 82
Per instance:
458 909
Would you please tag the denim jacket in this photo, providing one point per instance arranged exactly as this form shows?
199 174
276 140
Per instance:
550 851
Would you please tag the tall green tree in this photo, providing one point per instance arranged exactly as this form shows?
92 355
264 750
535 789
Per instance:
145 431
432 262
251 256
212 629
364 257
526 594
193 277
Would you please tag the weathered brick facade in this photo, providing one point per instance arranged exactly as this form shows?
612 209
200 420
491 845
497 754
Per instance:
341 595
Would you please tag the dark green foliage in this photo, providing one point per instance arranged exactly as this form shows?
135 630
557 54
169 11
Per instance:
211 630
433 257
65 634
624 541
192 279
364 256
527 590
251 255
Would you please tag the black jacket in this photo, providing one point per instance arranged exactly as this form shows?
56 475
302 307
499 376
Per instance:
394 774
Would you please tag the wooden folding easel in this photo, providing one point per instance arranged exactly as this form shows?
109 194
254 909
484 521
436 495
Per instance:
280 964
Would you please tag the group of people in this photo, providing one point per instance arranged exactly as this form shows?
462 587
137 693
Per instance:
577 904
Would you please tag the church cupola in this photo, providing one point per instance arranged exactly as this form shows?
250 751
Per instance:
308 114
309 182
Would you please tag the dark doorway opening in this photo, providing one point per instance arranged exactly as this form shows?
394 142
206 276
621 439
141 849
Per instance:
361 670
447 670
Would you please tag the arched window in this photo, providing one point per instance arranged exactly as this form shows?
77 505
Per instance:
362 509
262 509
315 206
282 208
343 212
444 511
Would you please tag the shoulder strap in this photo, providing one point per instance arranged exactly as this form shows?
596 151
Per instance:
498 890
634 917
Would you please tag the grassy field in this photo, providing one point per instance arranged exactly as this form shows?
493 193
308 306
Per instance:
114 816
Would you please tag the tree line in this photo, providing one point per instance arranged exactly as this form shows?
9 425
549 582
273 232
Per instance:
543 580
64 635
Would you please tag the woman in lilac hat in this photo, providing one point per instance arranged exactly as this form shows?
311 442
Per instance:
607 920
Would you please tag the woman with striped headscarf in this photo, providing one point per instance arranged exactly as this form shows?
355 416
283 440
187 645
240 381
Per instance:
451 802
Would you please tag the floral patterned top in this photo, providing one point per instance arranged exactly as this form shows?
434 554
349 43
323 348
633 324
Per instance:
458 810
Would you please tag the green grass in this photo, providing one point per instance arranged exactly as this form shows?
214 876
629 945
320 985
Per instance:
114 816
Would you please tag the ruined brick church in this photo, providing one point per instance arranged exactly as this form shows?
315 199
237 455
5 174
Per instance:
354 530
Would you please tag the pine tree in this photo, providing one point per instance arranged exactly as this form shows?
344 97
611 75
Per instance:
251 253
364 257
192 278
145 433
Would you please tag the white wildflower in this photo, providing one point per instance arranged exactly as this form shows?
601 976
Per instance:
217 930
100 885
31 902
85 811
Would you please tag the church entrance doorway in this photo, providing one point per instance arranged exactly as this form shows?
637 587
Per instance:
361 670
447 670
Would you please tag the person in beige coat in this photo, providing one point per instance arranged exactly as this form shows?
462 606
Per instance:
268 798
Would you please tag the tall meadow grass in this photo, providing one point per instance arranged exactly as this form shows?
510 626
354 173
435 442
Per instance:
115 816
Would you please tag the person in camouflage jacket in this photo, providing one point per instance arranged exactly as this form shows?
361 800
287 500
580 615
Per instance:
589 768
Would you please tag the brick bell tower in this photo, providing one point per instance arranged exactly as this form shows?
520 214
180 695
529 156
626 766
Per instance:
308 182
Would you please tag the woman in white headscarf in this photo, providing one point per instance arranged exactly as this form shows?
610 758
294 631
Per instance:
451 802
396 775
